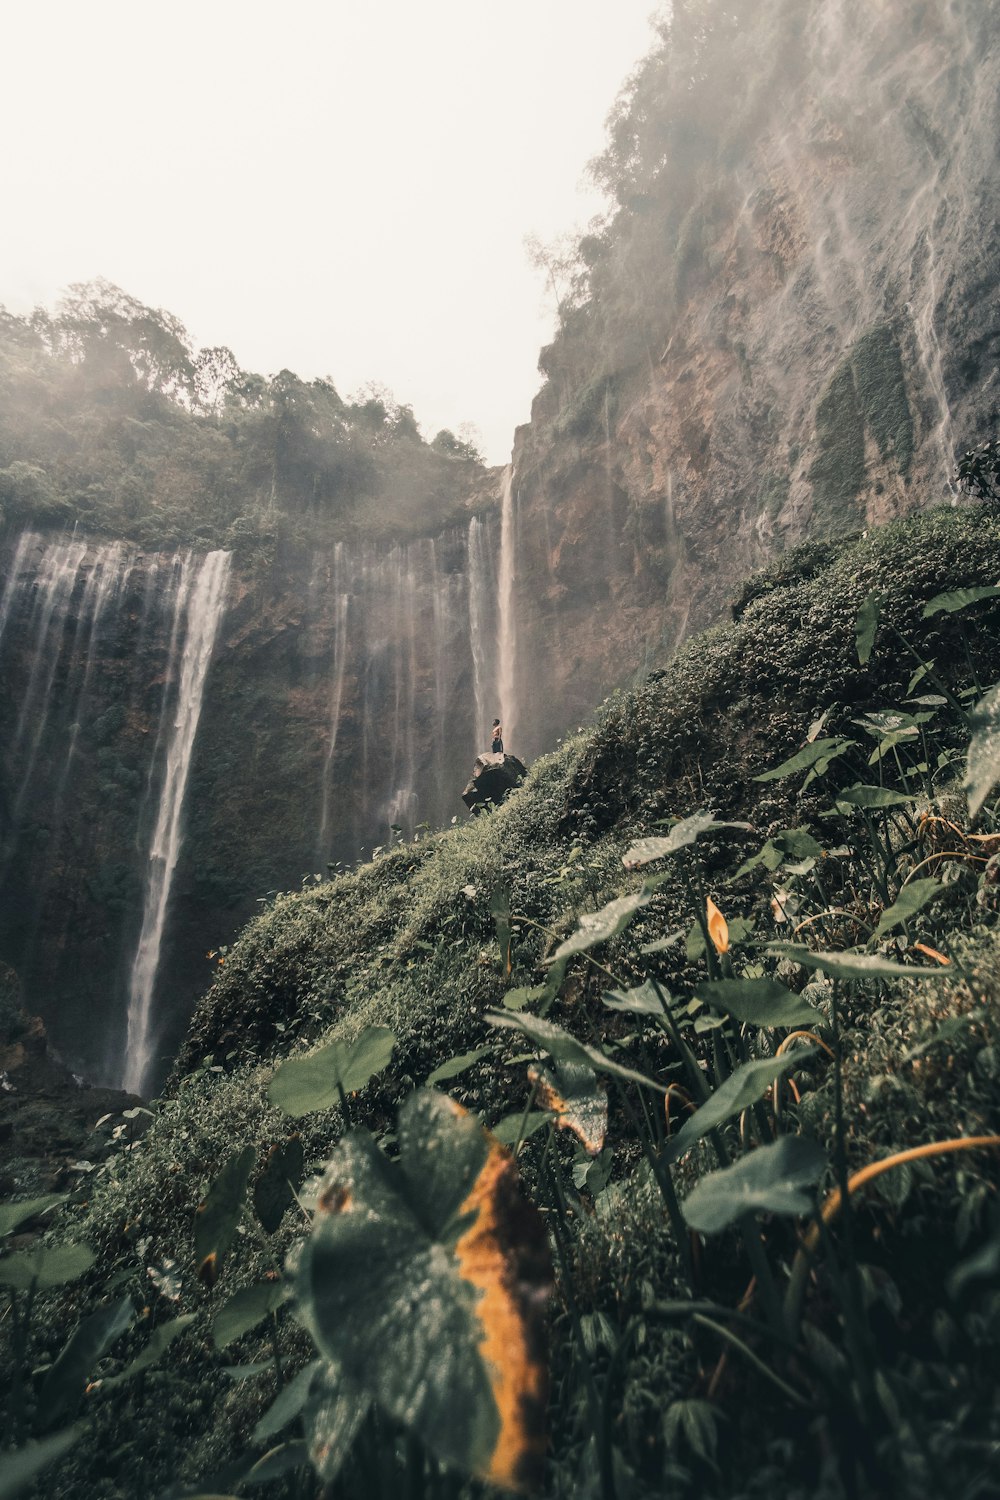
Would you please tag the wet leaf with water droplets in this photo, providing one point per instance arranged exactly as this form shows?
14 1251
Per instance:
423 1281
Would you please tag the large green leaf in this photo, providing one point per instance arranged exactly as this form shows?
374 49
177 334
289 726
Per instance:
872 798
982 770
274 1190
911 899
14 1214
304 1084
774 1179
287 1405
643 1000
680 836
600 926
572 1093
955 599
334 1412
456 1065
420 1283
65 1380
818 756
45 1266
517 1126
742 1088
160 1340
564 1048
219 1213
867 625
758 1002
20 1468
244 1310
853 965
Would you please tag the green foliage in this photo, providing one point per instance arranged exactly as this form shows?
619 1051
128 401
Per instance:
983 765
383 1230
220 1212
173 445
321 1080
775 1179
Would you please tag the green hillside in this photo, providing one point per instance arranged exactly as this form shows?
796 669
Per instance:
600 962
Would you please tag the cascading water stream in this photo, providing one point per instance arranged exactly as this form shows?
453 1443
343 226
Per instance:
202 600
341 605
506 624
54 591
482 586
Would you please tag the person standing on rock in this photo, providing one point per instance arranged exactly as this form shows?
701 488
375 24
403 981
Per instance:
497 745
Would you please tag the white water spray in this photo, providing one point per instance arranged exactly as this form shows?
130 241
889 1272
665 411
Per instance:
341 603
202 599
506 625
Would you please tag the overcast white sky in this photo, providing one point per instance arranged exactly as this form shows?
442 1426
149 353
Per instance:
337 187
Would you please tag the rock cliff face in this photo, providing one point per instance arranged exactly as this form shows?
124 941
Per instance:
783 332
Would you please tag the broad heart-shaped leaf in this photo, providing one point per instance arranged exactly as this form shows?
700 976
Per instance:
518 1127
982 770
456 1065
758 1002
218 1215
577 1100
304 1084
867 625
274 1190
956 599
420 1283
288 1403
680 836
18 1469
45 1266
774 1179
244 1310
160 1340
872 798
643 1000
563 1048
14 1214
65 1380
748 1084
819 755
599 926
911 899
853 965
335 1410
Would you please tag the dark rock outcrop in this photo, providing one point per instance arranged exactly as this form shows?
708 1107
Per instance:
493 777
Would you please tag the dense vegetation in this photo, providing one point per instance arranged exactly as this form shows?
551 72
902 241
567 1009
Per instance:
110 418
717 957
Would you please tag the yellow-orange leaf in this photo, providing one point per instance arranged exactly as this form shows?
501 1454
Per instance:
932 953
718 928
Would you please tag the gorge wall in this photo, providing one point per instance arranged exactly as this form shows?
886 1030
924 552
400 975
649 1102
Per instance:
782 329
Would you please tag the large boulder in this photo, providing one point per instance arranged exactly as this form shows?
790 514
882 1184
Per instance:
493 776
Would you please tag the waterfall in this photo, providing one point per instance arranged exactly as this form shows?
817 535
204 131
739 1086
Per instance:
109 576
482 587
202 601
506 623
341 604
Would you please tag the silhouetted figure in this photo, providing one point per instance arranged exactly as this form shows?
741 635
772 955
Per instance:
497 745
